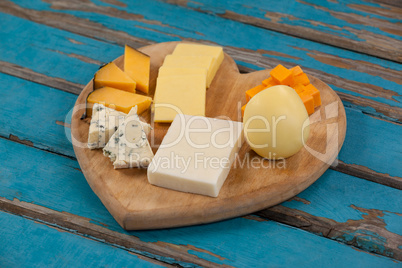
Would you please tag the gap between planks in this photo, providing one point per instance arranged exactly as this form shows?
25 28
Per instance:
179 253
387 52
152 252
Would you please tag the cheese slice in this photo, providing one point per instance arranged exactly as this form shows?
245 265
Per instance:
202 50
129 147
118 99
179 95
196 155
104 123
180 71
192 62
137 65
111 76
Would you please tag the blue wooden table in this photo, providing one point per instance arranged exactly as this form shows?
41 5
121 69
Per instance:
50 49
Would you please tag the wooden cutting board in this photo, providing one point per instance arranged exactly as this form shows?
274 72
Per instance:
251 185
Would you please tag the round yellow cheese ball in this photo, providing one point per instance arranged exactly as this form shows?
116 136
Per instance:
276 123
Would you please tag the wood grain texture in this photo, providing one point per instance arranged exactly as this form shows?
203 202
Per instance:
28 243
136 204
75 224
366 82
361 26
61 186
33 53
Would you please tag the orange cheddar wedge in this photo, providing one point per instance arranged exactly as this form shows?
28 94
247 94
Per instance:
282 75
252 92
118 99
137 65
308 102
315 93
111 76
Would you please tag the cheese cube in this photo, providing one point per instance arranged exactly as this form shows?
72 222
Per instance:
192 62
196 154
202 50
179 95
129 147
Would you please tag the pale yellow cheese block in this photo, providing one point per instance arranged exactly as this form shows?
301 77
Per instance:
192 62
179 95
177 71
202 50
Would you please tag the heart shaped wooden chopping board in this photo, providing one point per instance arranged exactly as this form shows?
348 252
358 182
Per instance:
252 184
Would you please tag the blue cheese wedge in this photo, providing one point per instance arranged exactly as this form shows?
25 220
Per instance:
104 123
129 147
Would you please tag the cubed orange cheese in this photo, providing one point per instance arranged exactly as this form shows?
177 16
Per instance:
137 65
299 88
242 109
296 70
282 75
301 79
308 102
269 82
315 93
118 99
252 92
111 76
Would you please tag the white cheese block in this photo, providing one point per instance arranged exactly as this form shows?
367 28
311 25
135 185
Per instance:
129 146
196 154
104 123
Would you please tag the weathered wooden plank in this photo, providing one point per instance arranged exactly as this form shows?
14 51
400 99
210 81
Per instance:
46 130
368 83
335 197
28 74
27 243
84 226
365 27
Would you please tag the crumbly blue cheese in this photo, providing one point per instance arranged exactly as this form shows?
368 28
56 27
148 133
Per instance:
104 123
129 147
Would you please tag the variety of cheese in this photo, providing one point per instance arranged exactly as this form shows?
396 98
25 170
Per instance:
196 154
118 99
129 147
137 65
111 76
179 95
104 123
